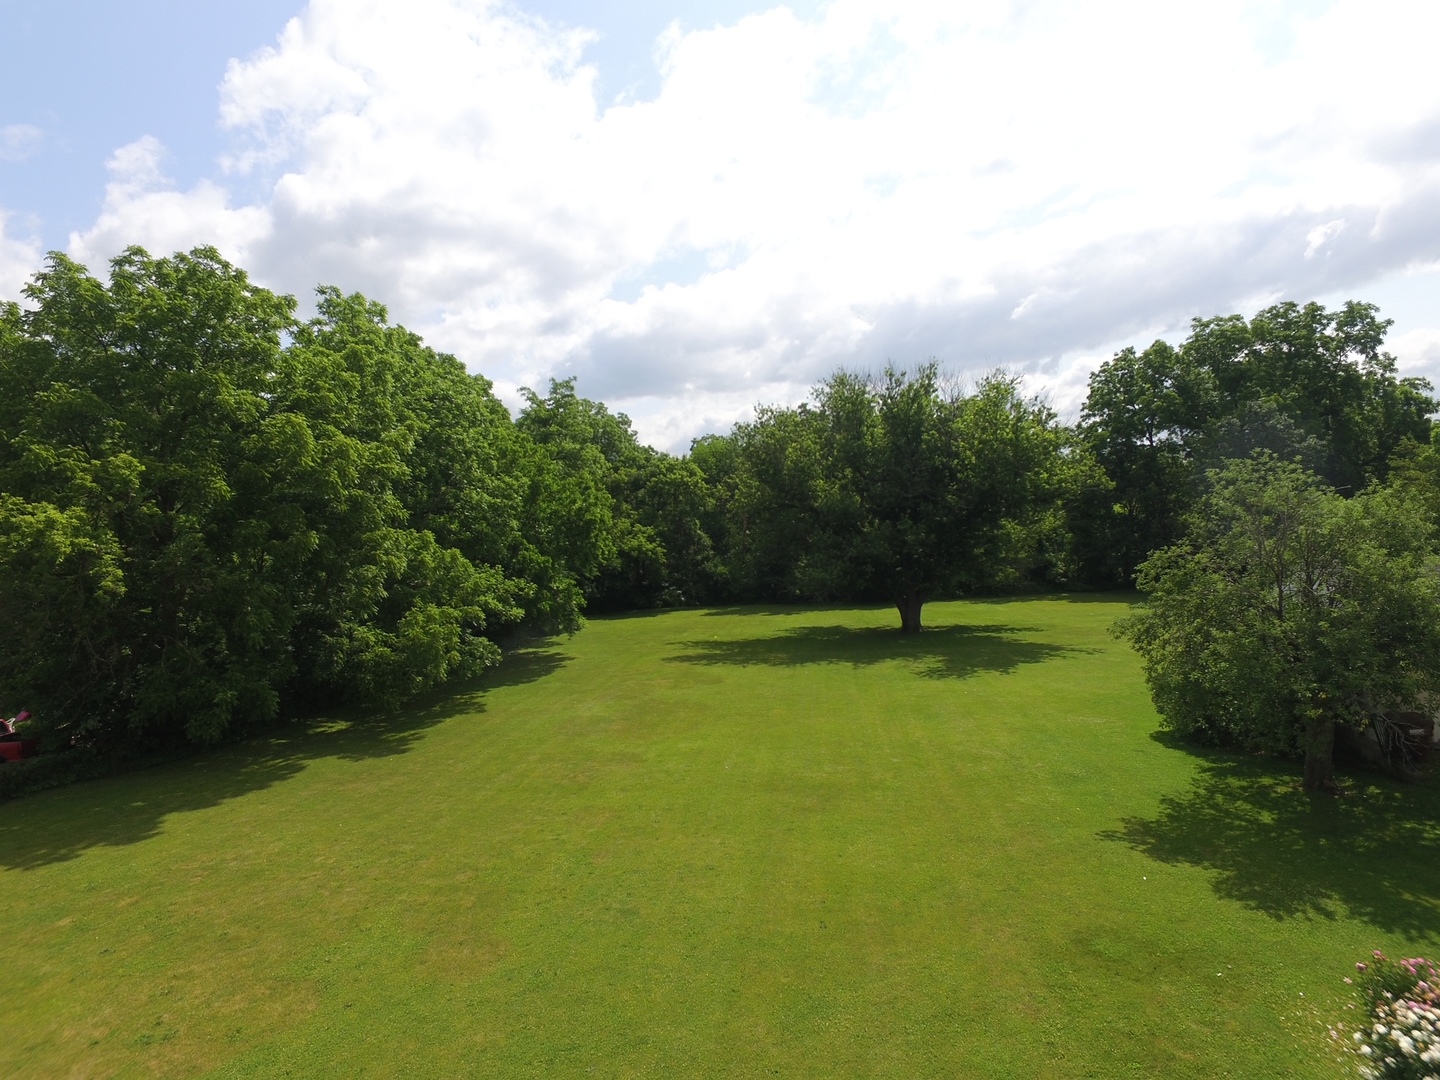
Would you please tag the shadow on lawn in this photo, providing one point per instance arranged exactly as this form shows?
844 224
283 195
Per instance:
60 824
1111 597
942 652
797 608
1373 854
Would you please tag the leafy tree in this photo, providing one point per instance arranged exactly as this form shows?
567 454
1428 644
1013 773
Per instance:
1415 472
1141 418
134 411
1325 370
647 544
670 498
1287 609
62 586
892 488
773 480
1307 384
716 460
196 520
951 488
404 489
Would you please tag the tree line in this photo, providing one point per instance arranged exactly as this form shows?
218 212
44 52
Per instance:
213 512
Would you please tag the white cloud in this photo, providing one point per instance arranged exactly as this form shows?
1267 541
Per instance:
1022 183
18 260
1321 235
1417 353
142 208
19 141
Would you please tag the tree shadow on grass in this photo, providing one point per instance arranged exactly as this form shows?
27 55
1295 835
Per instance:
942 652
1106 596
797 608
63 823
1373 854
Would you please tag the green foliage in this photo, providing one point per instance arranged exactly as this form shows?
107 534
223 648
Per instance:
197 520
1327 371
893 489
131 449
209 509
1143 413
404 484
63 586
691 824
644 541
1287 609
1307 384
767 472
1415 471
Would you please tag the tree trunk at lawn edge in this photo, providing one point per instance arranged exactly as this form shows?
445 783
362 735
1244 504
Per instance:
1320 754
910 605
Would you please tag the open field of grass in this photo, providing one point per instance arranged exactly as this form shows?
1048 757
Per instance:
746 842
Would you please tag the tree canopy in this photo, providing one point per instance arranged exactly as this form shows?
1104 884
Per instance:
891 488
1287 609
1307 384
200 519
213 512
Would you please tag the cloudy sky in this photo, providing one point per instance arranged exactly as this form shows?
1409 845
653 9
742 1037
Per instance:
693 207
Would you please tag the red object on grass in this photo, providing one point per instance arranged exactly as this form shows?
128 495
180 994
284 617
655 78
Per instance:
13 749
12 746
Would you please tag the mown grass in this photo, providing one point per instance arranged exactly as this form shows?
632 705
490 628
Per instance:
746 842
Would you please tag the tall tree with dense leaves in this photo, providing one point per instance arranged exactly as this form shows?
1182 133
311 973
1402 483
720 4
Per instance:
650 545
952 488
130 449
196 519
1141 419
892 488
1326 371
412 510
1307 384
1287 610
771 471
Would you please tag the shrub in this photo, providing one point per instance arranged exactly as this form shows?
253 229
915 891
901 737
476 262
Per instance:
1400 1039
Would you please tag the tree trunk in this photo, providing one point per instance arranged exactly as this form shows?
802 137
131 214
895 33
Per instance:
1320 753
910 605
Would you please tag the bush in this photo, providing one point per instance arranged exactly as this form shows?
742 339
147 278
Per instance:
1400 1039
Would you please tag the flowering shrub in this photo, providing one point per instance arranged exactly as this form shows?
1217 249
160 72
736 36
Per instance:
1401 1039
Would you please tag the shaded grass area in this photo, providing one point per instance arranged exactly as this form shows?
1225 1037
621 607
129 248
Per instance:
778 842
1373 854
195 783
941 652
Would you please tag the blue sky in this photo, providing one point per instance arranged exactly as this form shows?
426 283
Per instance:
93 75
693 207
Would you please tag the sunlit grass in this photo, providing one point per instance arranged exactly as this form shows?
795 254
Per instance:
750 842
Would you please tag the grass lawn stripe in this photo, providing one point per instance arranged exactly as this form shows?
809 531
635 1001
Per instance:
746 842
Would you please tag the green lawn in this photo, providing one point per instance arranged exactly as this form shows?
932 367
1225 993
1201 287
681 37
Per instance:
745 842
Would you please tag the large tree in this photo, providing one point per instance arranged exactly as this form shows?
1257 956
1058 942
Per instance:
645 510
951 488
1308 384
895 488
129 460
198 518
1143 415
1287 609
1328 373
